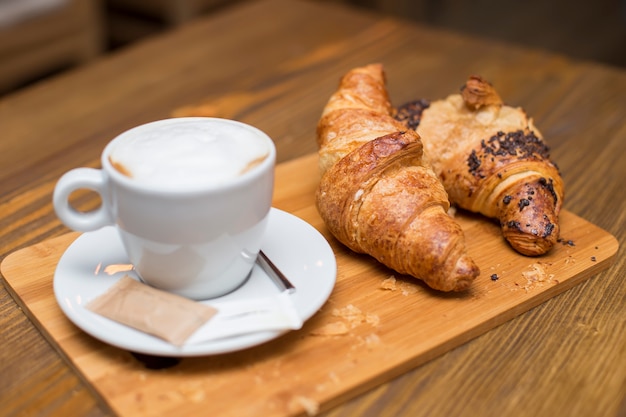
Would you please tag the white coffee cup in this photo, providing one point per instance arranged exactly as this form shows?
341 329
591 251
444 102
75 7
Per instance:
193 213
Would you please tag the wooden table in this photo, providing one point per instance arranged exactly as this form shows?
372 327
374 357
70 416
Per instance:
273 64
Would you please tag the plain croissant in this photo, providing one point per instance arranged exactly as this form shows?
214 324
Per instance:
378 195
492 160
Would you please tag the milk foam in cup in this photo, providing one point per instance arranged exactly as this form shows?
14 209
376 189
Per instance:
194 154
190 198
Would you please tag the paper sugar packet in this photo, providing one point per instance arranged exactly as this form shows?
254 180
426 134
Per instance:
236 317
168 316
180 321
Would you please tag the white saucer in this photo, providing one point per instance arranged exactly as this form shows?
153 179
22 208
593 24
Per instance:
296 248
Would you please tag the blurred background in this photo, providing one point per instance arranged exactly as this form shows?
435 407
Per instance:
41 38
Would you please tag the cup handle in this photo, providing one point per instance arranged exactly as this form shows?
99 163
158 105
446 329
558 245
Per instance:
76 179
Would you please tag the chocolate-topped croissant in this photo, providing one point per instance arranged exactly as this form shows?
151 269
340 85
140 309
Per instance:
378 194
492 160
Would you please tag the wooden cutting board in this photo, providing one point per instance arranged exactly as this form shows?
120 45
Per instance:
392 323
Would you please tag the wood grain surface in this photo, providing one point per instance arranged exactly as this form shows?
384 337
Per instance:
564 357
376 324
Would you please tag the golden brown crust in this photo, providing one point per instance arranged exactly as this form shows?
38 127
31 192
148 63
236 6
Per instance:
493 160
344 129
362 88
477 92
359 111
379 195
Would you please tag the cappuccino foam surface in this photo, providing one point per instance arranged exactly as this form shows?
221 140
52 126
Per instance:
188 154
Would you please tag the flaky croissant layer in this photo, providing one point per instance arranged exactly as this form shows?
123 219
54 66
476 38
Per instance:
492 160
379 195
